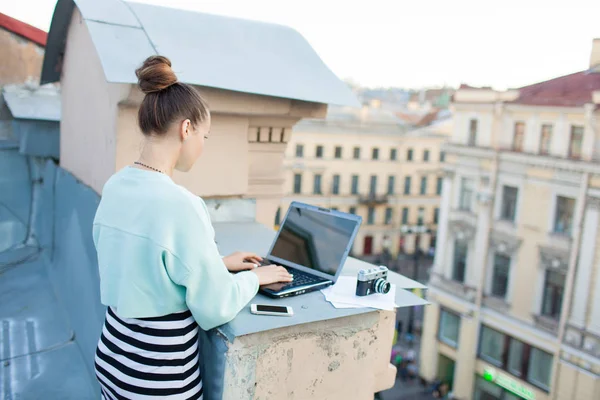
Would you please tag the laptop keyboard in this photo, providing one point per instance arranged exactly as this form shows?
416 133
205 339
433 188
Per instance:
301 278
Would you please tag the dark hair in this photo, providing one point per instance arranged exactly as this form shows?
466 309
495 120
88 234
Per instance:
166 99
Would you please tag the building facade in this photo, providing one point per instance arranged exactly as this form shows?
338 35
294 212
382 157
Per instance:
515 287
364 161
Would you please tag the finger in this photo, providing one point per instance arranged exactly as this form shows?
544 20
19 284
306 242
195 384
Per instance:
248 266
255 260
253 256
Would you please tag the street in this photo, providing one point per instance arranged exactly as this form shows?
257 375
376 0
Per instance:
405 265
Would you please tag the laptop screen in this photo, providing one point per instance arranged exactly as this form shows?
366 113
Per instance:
314 239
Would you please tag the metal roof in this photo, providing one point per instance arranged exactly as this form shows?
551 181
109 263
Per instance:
26 102
206 50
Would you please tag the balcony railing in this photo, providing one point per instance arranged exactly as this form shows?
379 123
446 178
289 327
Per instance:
583 340
372 199
459 289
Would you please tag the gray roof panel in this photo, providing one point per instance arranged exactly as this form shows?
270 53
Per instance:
41 103
121 50
241 55
206 50
114 12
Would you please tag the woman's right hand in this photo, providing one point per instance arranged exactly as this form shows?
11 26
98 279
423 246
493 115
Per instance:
272 274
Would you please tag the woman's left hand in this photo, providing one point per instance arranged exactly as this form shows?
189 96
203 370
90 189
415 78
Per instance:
242 261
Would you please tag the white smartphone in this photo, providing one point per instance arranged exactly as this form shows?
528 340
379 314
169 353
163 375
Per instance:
265 309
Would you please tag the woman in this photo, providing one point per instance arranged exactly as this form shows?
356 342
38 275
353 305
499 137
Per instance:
161 274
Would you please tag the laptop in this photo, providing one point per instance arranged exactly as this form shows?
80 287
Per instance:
312 244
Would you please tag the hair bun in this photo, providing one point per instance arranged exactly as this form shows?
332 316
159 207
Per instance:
155 74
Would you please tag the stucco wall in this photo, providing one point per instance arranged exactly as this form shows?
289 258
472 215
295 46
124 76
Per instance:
21 59
88 122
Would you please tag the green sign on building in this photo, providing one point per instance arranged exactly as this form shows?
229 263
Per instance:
508 383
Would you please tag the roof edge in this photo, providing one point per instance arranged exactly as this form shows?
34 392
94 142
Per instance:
23 29
57 40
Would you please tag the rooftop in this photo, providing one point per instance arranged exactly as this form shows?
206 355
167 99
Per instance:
365 120
572 90
245 56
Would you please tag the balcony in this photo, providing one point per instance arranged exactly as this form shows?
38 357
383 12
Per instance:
583 340
546 323
373 199
451 286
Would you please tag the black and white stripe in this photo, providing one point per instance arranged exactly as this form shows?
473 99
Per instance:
149 358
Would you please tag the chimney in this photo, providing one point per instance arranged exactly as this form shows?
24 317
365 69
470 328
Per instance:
595 56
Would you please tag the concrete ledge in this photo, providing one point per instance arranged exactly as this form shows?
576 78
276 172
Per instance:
314 361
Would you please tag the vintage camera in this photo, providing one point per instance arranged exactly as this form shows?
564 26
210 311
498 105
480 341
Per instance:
372 280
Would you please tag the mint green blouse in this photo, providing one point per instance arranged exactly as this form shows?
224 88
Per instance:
157 253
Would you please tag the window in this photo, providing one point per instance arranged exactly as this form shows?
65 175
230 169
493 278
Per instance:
518 358
356 153
420 216
491 346
375 154
338 152
426 156
554 285
388 215
500 275
297 183
278 216
442 156
352 210
449 328
319 152
576 142
409 155
436 215
407 184
335 185
317 184
439 185
334 208
391 184
460 261
393 154
540 368
405 215
546 139
515 357
354 188
299 151
373 185
563 217
472 132
518 136
466 194
509 203
423 185
371 216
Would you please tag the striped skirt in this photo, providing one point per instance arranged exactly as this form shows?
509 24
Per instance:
149 358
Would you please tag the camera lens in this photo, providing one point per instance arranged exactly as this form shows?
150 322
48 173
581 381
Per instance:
382 286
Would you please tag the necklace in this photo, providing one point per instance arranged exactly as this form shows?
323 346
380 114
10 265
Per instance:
147 166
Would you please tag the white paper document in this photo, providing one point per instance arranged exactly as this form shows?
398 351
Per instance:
343 295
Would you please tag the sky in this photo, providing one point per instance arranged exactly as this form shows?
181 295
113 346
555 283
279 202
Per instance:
417 43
